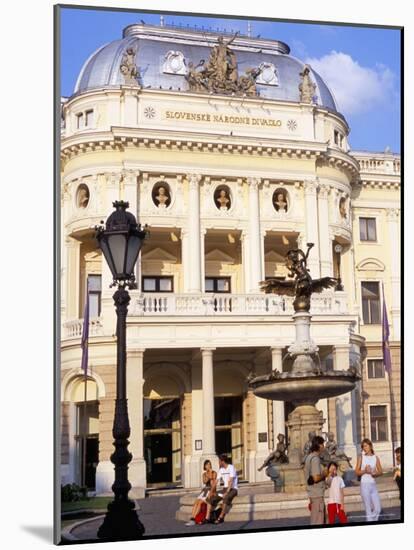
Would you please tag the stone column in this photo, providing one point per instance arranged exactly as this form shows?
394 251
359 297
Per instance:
346 420
202 258
209 445
311 212
255 237
325 244
105 474
245 261
278 406
72 279
194 241
185 263
130 192
135 382
394 309
194 467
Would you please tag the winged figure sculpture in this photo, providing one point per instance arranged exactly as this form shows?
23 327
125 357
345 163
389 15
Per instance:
302 286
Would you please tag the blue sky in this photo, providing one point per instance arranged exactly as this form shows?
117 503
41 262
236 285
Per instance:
361 65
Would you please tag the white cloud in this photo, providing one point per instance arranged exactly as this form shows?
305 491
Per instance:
356 89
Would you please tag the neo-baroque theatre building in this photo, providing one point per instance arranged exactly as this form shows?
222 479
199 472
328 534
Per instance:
233 152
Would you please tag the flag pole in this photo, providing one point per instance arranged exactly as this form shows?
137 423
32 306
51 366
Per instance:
393 439
386 357
84 345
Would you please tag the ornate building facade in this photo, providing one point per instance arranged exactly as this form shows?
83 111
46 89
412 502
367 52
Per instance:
233 152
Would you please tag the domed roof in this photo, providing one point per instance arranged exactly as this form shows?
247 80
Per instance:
152 44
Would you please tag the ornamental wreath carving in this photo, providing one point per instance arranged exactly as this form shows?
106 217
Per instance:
220 74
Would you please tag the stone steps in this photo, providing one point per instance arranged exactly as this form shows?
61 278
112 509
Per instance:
287 505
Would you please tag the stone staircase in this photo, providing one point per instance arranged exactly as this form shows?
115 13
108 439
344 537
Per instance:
254 503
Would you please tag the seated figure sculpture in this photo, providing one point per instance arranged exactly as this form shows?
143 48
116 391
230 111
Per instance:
278 456
307 446
332 453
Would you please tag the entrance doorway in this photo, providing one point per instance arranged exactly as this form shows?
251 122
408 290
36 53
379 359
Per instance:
229 429
162 441
87 443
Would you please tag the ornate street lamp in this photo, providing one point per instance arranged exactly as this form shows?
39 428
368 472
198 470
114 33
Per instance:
121 243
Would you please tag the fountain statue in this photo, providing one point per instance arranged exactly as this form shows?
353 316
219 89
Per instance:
305 383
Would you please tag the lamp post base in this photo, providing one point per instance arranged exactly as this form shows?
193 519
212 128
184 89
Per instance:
121 522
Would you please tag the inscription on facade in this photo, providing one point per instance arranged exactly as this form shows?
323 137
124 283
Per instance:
223 119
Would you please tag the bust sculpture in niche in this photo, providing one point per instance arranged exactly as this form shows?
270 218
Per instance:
83 196
222 199
279 200
342 208
161 196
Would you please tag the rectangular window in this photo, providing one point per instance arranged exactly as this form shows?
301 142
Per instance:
370 303
89 118
157 284
367 229
379 423
218 284
79 120
375 368
95 291
336 137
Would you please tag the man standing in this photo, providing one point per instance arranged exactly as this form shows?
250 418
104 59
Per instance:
315 476
228 474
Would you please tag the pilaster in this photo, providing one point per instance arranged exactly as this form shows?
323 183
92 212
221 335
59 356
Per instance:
311 213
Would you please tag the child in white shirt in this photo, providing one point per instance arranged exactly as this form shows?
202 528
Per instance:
336 495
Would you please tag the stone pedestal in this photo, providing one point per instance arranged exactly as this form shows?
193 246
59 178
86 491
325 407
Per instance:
301 421
292 478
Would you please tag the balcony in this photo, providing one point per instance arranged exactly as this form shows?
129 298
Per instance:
165 305
214 305
74 328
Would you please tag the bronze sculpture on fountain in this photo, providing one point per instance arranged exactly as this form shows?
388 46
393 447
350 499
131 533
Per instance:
305 383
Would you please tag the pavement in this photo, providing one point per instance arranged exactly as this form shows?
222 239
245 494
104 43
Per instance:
158 516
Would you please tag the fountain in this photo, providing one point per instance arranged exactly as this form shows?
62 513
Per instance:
306 382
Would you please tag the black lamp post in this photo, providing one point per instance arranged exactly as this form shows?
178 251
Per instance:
121 243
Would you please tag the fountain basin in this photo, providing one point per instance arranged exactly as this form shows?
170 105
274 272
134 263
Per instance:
303 389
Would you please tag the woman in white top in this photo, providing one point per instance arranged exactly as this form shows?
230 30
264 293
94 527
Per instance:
369 467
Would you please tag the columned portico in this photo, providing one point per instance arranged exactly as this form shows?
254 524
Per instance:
345 411
208 442
325 244
255 236
135 382
194 235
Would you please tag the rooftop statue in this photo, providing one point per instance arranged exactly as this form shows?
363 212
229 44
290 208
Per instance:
303 286
306 87
220 74
128 67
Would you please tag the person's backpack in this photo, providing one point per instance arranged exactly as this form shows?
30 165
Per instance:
201 514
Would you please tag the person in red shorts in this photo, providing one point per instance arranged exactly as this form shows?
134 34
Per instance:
336 495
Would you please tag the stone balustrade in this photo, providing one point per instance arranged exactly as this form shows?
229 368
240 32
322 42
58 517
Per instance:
159 304
74 328
211 305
